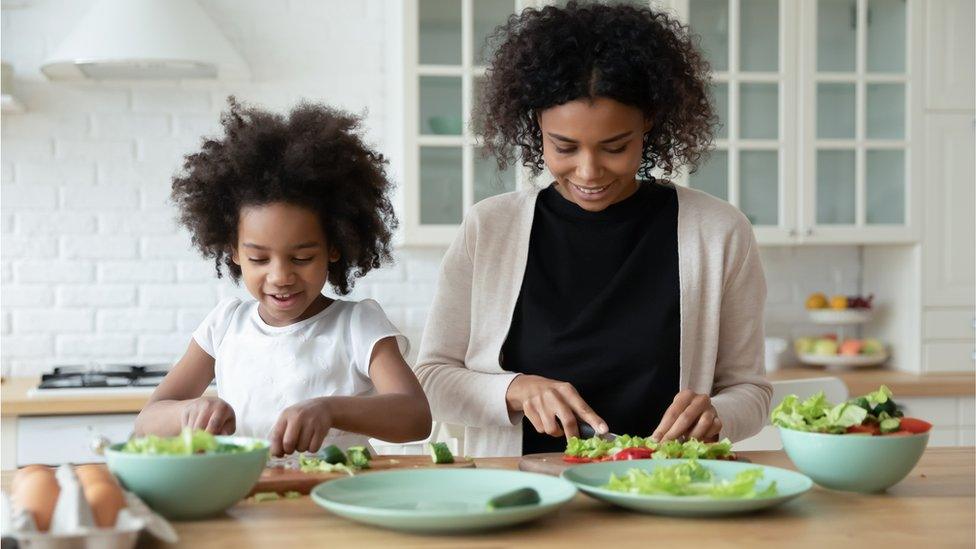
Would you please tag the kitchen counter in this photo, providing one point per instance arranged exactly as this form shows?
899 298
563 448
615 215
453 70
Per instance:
934 506
14 400
902 384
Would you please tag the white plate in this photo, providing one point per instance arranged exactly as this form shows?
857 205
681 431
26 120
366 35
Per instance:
845 316
849 361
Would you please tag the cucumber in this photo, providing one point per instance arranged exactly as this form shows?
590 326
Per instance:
358 457
890 425
332 455
440 453
515 498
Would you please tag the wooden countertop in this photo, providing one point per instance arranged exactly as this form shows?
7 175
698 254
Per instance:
902 384
934 506
14 400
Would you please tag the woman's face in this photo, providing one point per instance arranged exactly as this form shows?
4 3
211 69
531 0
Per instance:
593 149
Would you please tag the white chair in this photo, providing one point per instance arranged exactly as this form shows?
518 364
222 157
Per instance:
768 439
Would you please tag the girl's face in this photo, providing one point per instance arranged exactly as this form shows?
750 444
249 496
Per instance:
284 258
593 149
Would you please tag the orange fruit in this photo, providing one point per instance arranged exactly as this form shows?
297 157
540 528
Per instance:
838 302
816 301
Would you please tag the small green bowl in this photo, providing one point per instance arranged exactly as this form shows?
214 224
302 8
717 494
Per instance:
193 486
854 463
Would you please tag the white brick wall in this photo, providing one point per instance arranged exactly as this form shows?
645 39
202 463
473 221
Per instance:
93 264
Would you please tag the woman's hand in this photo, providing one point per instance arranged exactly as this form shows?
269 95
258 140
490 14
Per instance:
544 401
691 415
210 414
302 427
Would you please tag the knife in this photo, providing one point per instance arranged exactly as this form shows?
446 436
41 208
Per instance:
587 431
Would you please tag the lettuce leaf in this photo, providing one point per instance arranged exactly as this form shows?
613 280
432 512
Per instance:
186 443
690 478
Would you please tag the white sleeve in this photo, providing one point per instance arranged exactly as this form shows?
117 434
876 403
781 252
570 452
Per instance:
211 331
368 324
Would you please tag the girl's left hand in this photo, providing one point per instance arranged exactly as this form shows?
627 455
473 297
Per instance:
691 415
302 427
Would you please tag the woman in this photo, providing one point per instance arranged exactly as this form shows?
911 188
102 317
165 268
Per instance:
608 296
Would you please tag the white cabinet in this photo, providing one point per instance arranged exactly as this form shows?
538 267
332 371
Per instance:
950 54
54 440
952 418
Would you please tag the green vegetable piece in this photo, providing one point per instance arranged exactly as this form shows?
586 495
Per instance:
440 453
266 496
291 494
862 402
690 478
890 425
515 498
332 454
359 457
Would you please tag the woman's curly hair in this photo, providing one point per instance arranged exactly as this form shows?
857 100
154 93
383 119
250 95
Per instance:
639 57
313 158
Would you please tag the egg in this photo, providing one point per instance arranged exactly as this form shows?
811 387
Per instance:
92 472
37 492
105 499
23 473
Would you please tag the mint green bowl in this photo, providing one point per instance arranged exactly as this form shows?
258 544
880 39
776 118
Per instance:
192 486
854 463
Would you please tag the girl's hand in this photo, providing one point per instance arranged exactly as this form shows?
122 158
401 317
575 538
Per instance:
691 415
210 414
302 427
544 401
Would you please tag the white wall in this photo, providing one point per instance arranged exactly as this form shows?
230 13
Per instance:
93 266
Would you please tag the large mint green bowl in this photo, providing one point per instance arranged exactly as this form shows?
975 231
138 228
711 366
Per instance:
592 477
192 486
441 501
854 463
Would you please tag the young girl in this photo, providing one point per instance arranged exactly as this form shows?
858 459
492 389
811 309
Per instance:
288 204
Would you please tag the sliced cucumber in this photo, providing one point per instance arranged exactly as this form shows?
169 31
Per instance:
440 453
359 457
332 454
515 498
890 425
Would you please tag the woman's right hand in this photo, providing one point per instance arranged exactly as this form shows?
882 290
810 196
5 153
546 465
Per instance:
209 413
548 403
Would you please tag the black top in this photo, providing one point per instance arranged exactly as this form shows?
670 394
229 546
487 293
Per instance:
599 308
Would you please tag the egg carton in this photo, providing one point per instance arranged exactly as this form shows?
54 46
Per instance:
73 524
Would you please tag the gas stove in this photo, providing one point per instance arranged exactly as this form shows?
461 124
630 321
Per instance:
103 376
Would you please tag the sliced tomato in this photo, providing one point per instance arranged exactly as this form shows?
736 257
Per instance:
632 453
866 429
914 425
574 459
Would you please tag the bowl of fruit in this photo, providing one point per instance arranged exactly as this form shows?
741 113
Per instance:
840 309
863 445
828 350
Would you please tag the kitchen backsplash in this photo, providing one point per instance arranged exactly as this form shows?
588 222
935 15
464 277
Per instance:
93 267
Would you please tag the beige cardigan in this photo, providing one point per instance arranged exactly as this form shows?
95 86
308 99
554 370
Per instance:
723 292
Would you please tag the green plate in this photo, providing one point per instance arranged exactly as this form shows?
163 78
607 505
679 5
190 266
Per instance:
591 477
439 500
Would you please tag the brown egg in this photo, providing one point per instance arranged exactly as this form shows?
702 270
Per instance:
93 472
105 499
37 492
23 473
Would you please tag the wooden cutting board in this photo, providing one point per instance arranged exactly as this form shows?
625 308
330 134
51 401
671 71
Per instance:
281 480
547 464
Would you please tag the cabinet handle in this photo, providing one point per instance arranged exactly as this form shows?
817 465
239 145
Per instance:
793 232
808 232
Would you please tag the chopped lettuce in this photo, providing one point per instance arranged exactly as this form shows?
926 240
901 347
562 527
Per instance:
690 478
188 442
596 447
818 415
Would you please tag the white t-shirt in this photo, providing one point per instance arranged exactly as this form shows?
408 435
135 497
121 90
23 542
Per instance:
263 369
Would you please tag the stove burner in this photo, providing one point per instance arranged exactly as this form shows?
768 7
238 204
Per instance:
108 375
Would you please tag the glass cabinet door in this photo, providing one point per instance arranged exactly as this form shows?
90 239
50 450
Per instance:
858 143
744 41
448 45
